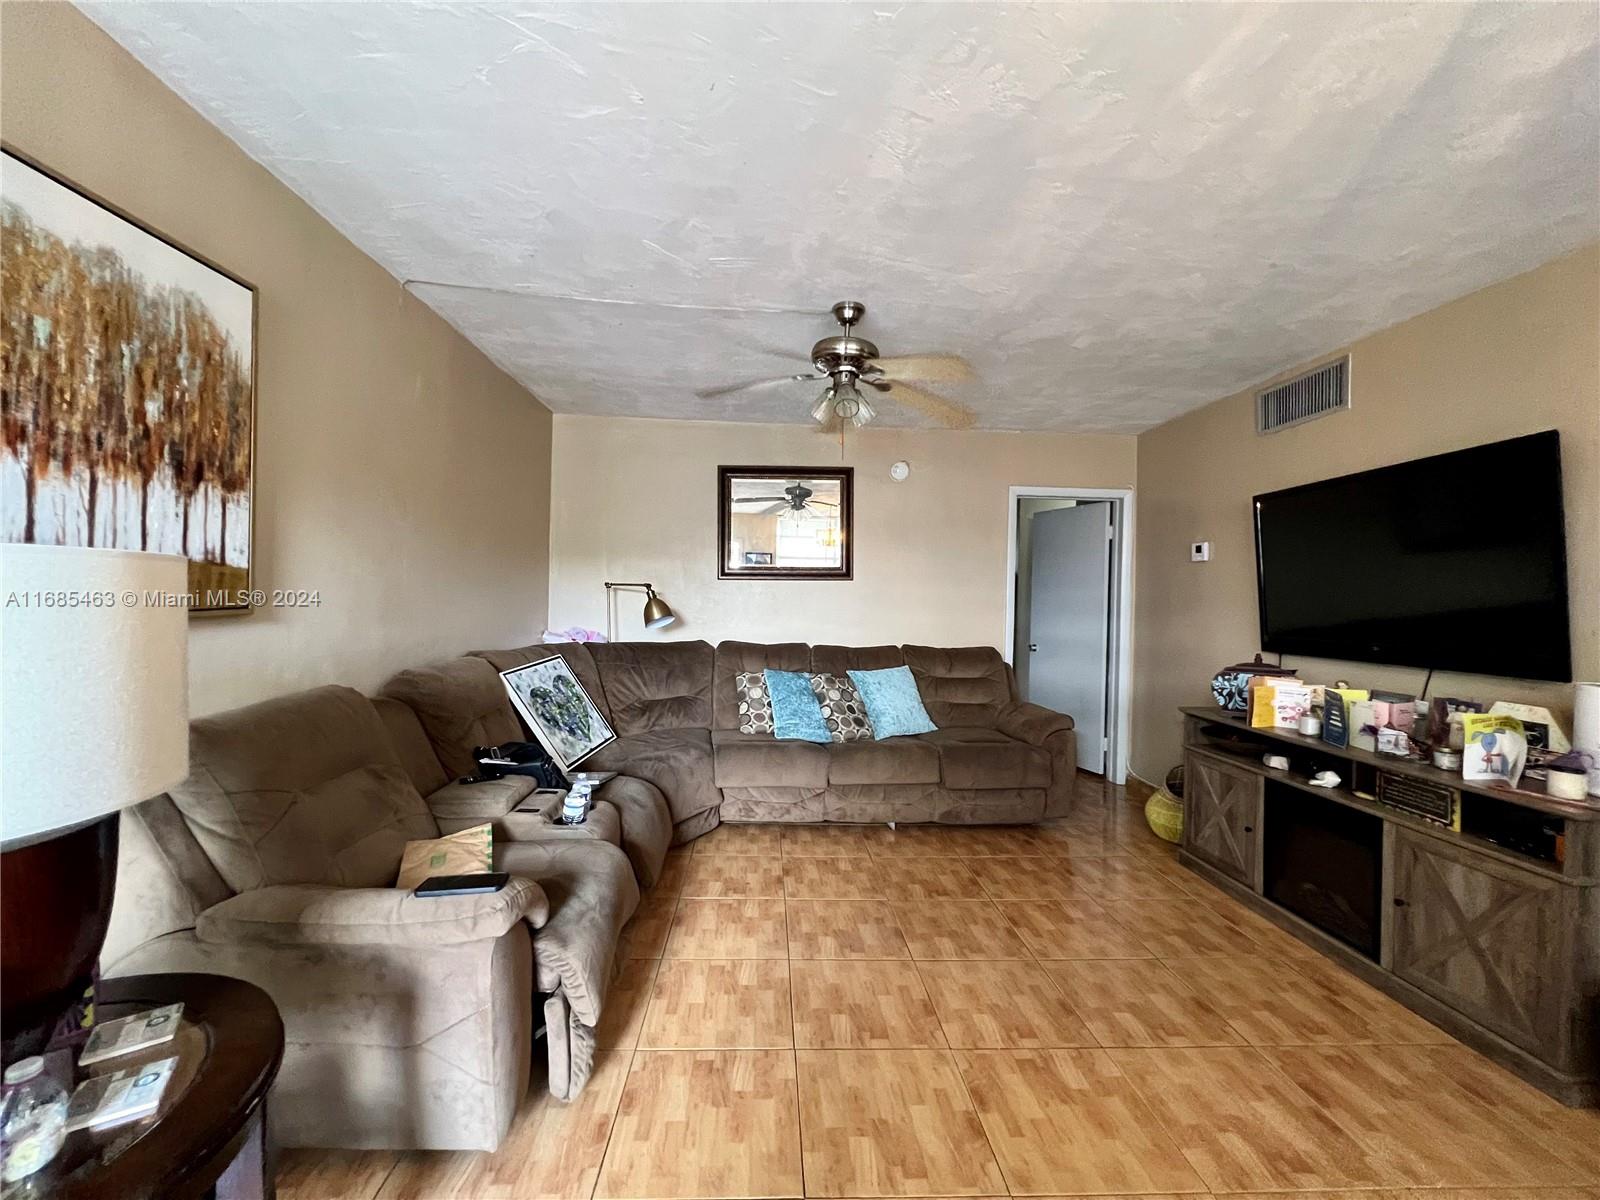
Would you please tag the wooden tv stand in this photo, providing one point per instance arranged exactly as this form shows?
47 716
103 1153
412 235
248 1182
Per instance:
1491 931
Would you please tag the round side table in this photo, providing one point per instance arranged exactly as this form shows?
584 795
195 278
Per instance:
210 1131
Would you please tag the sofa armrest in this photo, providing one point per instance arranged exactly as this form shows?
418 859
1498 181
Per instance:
299 914
467 804
1033 723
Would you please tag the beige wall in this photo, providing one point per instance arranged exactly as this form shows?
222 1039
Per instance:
636 500
1515 358
398 472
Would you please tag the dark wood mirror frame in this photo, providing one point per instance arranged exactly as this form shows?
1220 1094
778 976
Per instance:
781 476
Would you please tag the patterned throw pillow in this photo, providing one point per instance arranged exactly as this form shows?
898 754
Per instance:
842 710
755 702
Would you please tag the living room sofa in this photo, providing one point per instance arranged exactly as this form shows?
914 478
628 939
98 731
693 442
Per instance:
409 1022
674 705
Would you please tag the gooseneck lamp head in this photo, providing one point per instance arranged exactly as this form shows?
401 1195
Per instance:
658 613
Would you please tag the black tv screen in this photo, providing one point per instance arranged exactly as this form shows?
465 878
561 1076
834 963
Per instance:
1455 562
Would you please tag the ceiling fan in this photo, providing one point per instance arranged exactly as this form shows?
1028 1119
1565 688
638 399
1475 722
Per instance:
845 362
797 497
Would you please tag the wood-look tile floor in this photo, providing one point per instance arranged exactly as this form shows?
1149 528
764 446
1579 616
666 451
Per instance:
1047 1011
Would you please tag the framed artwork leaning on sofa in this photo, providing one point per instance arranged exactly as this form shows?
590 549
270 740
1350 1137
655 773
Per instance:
561 713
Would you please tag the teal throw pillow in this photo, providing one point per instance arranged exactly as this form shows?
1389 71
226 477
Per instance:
795 712
894 706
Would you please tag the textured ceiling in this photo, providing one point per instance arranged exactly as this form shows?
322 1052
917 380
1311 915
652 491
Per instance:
1116 212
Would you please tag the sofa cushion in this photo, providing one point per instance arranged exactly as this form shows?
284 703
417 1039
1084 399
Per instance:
840 659
969 686
754 760
977 759
735 658
795 710
164 879
843 711
591 893
655 685
312 915
755 703
304 788
677 761
461 703
578 659
411 745
896 760
894 705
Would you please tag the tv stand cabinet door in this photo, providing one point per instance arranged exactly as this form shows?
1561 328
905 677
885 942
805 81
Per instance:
1222 817
1491 941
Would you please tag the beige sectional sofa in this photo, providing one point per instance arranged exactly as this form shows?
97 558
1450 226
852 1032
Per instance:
674 705
410 1022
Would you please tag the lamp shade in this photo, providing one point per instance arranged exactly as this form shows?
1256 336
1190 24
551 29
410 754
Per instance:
658 613
94 690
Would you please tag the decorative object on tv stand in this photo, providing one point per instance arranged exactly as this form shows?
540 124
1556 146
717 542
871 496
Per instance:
96 719
658 613
165 383
559 710
1231 686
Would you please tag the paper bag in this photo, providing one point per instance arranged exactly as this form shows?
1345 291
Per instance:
465 852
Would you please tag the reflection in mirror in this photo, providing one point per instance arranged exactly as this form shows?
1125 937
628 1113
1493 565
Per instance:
778 523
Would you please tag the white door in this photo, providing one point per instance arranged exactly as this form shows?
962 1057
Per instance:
1069 621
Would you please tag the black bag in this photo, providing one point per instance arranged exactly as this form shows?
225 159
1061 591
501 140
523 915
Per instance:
516 758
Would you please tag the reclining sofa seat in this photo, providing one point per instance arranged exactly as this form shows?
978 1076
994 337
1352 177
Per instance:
408 1022
437 714
993 759
657 698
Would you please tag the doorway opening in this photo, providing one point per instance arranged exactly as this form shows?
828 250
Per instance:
1069 608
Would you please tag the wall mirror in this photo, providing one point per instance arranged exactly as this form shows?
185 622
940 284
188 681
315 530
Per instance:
785 522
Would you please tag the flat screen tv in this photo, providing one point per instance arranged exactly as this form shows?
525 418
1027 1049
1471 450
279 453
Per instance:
1456 562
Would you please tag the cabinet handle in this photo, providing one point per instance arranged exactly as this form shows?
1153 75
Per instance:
1399 903
1249 828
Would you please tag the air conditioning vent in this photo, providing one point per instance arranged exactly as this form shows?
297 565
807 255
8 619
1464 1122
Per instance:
1312 395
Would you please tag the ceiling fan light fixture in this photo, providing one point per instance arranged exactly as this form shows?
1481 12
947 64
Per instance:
845 401
823 409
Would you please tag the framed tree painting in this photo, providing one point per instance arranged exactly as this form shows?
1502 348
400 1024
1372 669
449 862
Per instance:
127 387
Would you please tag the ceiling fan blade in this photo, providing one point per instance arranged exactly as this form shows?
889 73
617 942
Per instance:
755 385
946 412
934 368
760 499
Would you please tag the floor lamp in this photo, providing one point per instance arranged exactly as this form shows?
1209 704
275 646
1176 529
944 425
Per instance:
658 613
94 702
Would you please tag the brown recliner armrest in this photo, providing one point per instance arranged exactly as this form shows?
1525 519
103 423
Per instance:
303 914
1033 723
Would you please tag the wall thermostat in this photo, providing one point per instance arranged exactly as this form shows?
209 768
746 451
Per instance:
1199 551
899 471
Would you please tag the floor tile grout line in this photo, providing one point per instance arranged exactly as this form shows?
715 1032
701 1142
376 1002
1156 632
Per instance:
794 1050
611 1129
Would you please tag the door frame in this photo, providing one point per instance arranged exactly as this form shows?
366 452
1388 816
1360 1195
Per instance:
1119 706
